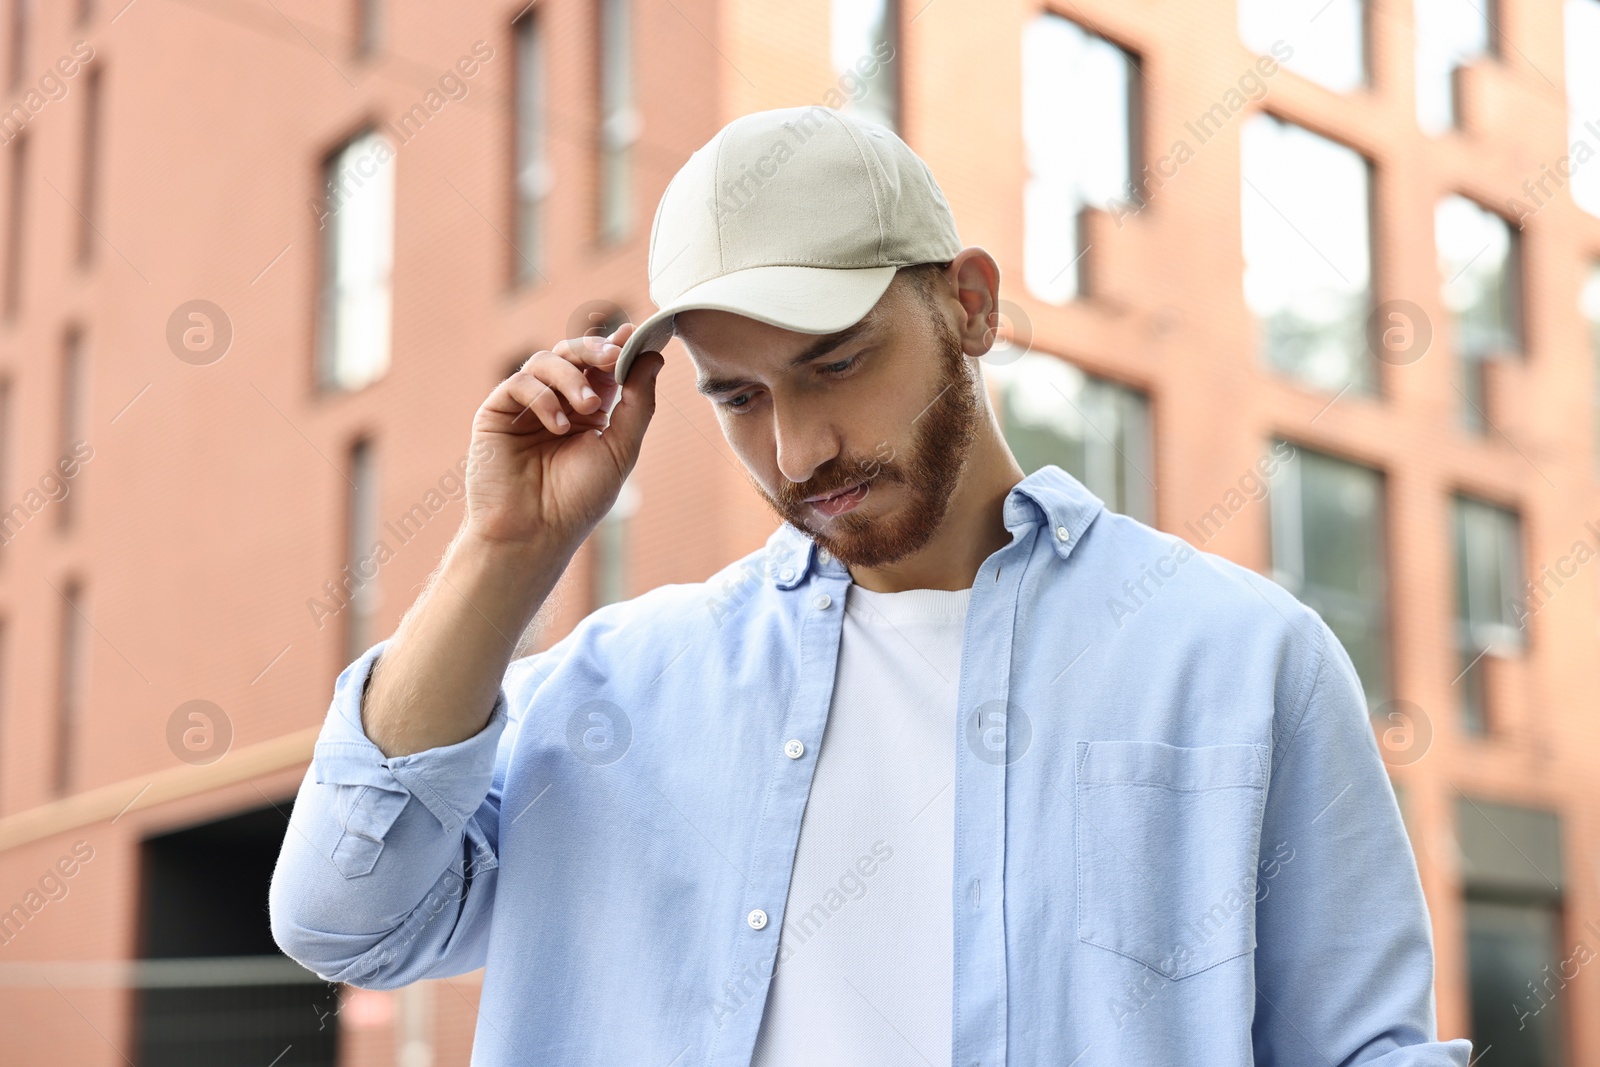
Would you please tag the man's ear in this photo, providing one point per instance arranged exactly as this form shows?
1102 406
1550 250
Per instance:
976 278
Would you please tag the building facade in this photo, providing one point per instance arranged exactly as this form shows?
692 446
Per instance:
1314 284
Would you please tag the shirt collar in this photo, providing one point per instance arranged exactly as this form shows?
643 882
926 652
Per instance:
1049 495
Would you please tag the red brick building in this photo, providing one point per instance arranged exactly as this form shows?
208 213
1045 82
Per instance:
1315 282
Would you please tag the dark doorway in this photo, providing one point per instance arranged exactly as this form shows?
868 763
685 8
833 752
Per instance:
214 990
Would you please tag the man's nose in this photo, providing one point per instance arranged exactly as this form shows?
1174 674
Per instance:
804 442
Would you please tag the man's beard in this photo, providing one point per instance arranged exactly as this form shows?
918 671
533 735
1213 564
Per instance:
944 434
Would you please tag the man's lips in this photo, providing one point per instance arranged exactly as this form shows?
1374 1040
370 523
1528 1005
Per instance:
840 500
836 492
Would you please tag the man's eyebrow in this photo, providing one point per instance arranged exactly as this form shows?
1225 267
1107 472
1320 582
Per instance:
822 346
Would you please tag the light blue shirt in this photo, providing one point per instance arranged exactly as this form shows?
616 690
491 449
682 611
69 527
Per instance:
1175 840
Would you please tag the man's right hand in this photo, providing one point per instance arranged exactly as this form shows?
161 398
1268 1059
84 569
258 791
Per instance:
556 460
548 464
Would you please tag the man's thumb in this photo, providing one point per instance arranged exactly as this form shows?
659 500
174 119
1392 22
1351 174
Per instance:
631 414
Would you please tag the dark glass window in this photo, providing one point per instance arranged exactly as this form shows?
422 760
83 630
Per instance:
1328 550
212 986
1520 963
1094 429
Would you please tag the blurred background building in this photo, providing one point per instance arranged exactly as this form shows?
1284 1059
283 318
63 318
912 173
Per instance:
1312 283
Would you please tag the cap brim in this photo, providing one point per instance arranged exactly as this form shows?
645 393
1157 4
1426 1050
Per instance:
803 299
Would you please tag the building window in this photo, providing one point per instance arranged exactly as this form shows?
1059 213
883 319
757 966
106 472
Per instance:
533 178
21 26
73 415
1328 549
1517 957
1096 430
610 539
1479 269
1450 35
5 707
11 517
1583 95
89 162
361 555
1079 114
864 43
358 261
619 119
16 216
369 26
1488 544
1305 219
1590 307
228 994
1329 38
71 685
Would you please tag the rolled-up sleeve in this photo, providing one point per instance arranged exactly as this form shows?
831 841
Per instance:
1344 956
387 872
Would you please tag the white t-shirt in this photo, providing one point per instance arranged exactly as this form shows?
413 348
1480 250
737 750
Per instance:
864 964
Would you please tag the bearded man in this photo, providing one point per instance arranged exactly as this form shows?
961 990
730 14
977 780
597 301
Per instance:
895 789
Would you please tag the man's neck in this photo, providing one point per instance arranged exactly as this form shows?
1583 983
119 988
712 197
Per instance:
972 531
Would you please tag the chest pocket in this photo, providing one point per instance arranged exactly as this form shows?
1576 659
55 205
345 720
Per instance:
1167 840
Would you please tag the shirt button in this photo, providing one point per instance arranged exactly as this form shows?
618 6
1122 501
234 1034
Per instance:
793 748
1061 533
757 919
822 601
787 574
824 555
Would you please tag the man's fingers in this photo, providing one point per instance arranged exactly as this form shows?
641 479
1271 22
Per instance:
589 350
547 380
571 384
592 350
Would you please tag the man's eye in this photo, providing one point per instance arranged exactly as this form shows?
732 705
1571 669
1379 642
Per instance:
737 402
841 366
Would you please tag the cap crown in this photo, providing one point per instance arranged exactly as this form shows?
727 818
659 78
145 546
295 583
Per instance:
799 186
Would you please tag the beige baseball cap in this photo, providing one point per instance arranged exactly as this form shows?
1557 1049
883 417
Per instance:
797 217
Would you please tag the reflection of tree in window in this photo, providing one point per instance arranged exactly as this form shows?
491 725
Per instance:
1488 544
1078 111
1094 429
1478 268
1328 550
1307 253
